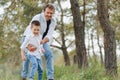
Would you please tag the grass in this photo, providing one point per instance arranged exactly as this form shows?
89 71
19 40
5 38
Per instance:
8 72
73 73
94 72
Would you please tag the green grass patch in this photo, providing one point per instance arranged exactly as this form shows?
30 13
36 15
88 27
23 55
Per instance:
93 72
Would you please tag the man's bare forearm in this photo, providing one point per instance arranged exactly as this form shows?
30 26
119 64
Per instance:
44 40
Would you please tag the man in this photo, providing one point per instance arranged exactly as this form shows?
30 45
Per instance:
48 25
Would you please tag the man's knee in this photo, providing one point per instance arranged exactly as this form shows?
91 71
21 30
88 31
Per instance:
49 54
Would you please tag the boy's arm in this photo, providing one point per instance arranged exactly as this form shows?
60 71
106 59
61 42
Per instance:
31 48
25 43
23 55
23 46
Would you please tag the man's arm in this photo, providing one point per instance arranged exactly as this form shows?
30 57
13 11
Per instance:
44 40
52 26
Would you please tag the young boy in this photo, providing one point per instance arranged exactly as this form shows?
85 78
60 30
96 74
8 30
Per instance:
33 40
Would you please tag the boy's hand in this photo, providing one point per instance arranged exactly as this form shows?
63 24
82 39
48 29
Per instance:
31 48
23 57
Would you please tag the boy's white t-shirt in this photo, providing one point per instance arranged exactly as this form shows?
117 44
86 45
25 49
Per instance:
34 40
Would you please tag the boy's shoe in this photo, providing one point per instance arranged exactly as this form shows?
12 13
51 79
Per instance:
23 78
50 79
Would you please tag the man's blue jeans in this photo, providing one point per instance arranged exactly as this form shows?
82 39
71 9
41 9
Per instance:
49 61
49 64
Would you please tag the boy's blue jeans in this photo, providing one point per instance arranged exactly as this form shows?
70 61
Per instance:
49 64
36 64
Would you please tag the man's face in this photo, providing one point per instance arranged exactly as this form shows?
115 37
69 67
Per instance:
35 30
48 13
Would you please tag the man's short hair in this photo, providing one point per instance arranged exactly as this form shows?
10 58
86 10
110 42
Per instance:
50 6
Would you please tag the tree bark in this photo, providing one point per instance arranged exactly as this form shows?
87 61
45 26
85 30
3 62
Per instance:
62 33
109 39
66 56
93 50
79 34
100 48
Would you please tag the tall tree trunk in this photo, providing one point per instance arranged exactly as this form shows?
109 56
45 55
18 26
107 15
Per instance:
66 56
100 48
88 47
63 46
79 34
109 39
92 45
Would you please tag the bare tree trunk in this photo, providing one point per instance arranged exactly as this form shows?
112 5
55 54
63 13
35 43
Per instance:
88 48
75 59
66 56
92 44
63 46
109 39
79 34
100 48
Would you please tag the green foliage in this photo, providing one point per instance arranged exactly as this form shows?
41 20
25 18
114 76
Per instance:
16 17
67 73
3 2
9 72
94 72
115 19
73 73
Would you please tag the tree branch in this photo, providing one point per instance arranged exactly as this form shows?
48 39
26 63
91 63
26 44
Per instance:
56 46
70 44
57 40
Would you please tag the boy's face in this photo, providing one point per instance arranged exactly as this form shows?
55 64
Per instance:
35 30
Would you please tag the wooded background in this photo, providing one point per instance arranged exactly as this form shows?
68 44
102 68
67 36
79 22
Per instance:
86 29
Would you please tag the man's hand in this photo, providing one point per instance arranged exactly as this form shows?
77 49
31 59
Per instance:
43 50
31 48
42 42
